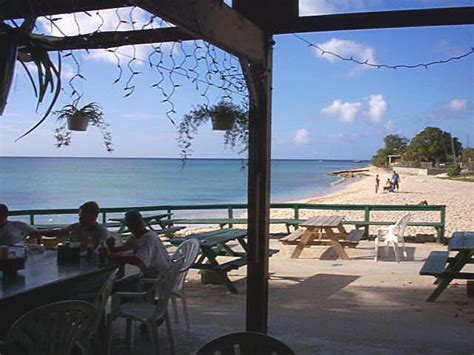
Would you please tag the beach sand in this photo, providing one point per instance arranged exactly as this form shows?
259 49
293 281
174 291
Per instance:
352 307
458 196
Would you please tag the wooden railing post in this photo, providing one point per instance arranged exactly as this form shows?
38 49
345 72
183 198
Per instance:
366 220
32 218
441 229
230 214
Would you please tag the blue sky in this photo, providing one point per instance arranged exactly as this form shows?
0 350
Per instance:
322 107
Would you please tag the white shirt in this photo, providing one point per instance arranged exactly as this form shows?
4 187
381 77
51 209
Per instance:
14 232
151 251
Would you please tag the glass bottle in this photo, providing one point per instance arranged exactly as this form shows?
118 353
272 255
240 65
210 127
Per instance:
102 253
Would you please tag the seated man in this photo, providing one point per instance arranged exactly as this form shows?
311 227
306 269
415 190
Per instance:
388 186
87 231
12 232
148 252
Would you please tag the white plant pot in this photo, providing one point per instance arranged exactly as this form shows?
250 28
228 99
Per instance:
78 122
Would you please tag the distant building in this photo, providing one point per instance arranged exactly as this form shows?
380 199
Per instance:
393 159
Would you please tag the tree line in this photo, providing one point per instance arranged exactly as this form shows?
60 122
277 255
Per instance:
430 145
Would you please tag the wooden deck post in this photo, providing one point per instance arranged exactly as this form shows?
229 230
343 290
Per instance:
259 79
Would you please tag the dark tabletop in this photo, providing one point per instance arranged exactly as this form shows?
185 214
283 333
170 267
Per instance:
43 269
214 237
461 241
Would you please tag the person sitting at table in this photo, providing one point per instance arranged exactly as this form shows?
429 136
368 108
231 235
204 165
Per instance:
148 252
87 231
12 232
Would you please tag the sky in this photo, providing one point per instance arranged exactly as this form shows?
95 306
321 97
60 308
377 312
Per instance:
323 107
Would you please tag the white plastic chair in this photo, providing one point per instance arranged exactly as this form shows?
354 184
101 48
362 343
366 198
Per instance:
189 250
53 329
99 301
148 307
391 236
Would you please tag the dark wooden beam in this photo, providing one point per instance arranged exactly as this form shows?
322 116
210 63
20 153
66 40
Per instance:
259 78
381 19
114 39
214 22
15 9
267 13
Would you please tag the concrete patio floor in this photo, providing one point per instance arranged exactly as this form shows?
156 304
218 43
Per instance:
332 307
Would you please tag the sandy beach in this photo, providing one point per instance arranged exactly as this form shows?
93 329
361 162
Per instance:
352 307
458 196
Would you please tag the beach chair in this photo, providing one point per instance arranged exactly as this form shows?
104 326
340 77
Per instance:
245 343
189 250
391 236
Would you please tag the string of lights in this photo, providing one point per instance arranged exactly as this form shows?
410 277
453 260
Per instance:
380 65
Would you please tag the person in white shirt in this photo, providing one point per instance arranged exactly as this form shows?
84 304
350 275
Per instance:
148 252
13 232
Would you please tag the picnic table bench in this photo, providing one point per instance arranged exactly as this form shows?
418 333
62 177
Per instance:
214 244
166 226
447 268
319 231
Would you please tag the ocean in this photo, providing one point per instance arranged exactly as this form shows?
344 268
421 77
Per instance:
43 183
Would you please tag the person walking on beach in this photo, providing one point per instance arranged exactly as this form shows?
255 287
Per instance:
377 183
396 180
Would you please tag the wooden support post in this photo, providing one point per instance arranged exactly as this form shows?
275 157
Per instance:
259 78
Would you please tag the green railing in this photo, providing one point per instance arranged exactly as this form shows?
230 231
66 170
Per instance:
295 220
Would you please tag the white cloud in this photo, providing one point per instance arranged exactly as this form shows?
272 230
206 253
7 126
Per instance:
345 111
315 7
301 136
344 137
346 48
377 107
457 105
103 20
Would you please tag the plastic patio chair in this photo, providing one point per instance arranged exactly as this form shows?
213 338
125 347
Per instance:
245 343
100 302
391 236
147 307
189 250
53 329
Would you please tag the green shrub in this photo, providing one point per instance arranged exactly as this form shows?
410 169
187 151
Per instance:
454 170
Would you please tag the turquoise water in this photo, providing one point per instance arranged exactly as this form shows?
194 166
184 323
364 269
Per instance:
40 183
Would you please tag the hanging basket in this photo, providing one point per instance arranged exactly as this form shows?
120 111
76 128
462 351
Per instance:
222 121
78 122
8 55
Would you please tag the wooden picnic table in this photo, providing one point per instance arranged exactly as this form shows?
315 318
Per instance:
446 268
214 244
161 219
322 227
43 281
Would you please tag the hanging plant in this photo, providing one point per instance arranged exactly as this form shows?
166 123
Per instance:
30 49
8 54
72 118
225 116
